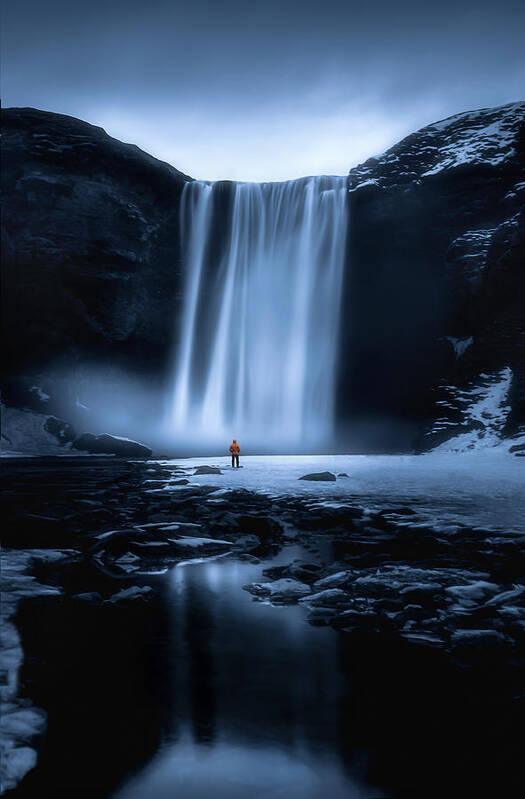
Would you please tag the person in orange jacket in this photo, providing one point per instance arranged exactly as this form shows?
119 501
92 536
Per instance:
235 449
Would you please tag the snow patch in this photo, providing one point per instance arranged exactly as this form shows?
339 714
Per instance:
187 541
19 723
484 410
41 394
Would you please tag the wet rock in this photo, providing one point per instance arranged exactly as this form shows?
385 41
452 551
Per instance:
22 723
424 639
330 598
377 585
90 597
264 527
506 597
128 562
106 444
281 591
145 548
62 431
298 570
337 580
207 470
16 762
133 594
517 448
202 544
319 476
473 592
421 593
476 640
303 571
275 572
246 542
414 613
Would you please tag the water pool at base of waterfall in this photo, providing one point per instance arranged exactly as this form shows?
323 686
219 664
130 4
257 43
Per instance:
195 688
257 697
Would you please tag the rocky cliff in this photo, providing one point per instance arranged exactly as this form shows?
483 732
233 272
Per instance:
435 284
434 296
90 251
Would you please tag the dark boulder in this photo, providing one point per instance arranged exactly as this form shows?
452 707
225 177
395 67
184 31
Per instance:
62 431
319 476
517 448
207 470
111 445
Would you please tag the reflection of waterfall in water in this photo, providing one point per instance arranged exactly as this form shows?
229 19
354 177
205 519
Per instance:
257 348
257 697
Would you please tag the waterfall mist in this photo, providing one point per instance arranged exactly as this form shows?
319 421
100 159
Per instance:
257 347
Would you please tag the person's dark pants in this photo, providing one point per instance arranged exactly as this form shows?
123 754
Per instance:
235 458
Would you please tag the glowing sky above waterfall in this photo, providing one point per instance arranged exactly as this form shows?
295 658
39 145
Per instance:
262 90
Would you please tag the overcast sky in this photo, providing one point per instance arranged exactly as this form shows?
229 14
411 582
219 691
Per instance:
262 90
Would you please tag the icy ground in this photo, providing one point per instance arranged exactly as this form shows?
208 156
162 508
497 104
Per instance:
484 487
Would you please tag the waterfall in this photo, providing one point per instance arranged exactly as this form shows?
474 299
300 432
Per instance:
256 355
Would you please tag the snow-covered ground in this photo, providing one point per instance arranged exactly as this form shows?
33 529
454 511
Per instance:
482 487
20 721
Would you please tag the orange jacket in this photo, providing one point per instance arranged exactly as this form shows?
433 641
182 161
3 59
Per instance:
235 448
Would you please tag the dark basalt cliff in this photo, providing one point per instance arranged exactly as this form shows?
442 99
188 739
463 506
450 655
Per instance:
435 284
435 280
90 234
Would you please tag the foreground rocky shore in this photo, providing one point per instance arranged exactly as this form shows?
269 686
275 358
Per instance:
97 534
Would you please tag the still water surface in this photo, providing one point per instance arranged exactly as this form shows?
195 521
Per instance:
258 697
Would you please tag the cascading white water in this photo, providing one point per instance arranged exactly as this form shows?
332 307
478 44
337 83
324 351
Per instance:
257 348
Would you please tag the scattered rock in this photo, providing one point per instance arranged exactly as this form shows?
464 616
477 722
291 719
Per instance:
193 542
111 445
473 592
62 431
280 591
246 542
298 570
131 595
128 562
207 470
506 596
421 593
333 581
517 448
92 597
16 762
319 476
330 598
264 527
476 639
